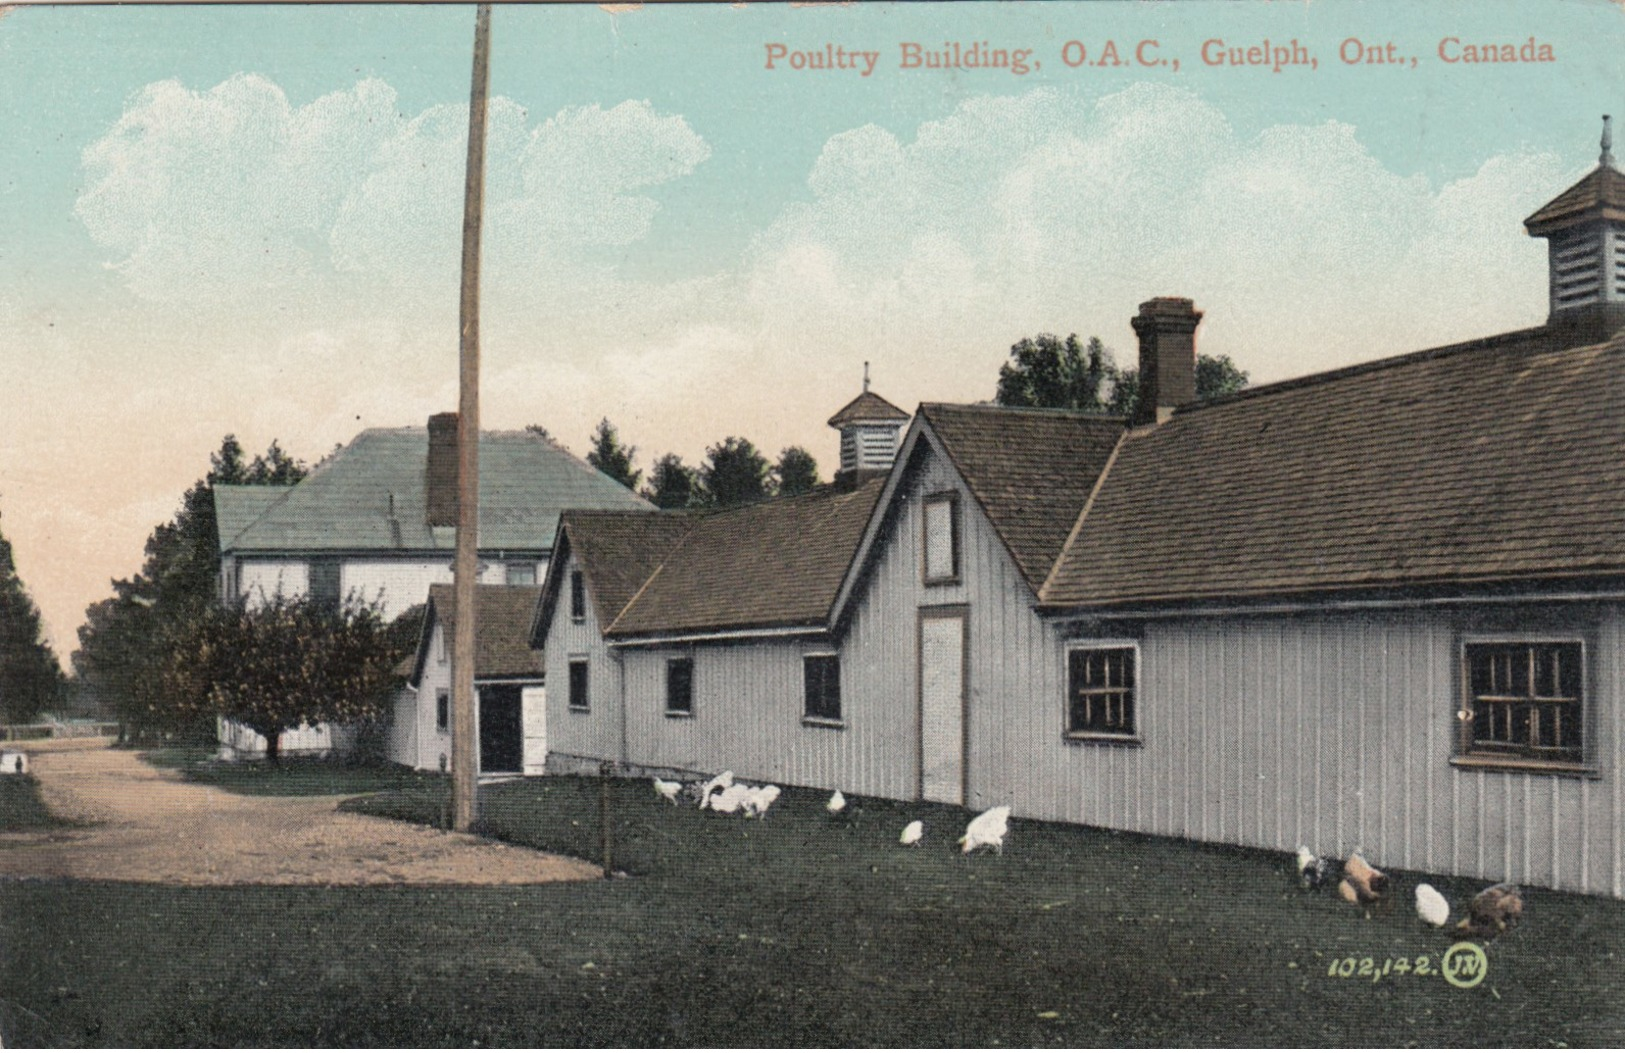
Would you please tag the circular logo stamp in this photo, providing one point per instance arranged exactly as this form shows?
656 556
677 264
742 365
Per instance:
1464 965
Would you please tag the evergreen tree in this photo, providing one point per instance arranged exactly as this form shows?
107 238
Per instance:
734 474
31 680
796 472
672 484
611 458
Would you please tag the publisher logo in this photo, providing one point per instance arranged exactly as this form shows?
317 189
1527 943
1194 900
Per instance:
1464 965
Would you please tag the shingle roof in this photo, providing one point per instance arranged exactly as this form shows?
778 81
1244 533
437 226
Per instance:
866 407
1498 460
502 617
235 507
345 504
1031 470
1602 190
774 564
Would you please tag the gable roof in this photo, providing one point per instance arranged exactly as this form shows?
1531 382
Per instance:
1030 470
1602 190
866 407
235 507
617 551
502 617
1497 460
346 503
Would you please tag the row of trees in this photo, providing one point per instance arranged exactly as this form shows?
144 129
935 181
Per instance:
31 680
1066 374
734 473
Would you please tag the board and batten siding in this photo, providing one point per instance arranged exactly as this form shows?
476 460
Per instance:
575 738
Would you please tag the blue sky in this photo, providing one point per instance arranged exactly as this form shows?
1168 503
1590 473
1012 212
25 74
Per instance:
243 219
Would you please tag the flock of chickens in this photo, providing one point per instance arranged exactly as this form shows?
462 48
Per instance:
723 794
1489 914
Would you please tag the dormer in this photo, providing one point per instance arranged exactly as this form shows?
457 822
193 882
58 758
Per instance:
1585 231
869 427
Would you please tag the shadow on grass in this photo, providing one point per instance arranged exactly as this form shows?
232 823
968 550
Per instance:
292 776
22 810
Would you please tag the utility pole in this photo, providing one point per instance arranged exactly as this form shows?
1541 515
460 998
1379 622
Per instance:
466 569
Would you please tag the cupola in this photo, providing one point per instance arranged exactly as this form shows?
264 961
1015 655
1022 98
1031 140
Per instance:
869 427
1584 228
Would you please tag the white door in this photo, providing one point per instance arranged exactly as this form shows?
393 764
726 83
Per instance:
942 707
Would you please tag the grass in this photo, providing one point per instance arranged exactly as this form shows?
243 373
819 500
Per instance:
21 808
292 776
791 931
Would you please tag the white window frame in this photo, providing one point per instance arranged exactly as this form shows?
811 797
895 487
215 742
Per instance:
585 705
956 537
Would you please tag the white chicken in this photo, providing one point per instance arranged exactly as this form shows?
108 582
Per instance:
667 789
1431 907
721 782
987 829
912 833
837 803
731 798
760 800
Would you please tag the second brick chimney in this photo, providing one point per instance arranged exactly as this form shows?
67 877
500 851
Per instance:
1167 330
440 487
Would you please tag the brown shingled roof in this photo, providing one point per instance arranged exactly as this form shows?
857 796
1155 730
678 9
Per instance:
867 406
619 550
1031 470
1603 190
502 617
774 564
1493 461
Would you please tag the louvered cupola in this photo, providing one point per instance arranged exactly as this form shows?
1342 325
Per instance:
869 427
1585 231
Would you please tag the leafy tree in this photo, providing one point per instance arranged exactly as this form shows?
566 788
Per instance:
734 474
796 472
31 680
611 458
672 484
1047 371
1216 375
285 662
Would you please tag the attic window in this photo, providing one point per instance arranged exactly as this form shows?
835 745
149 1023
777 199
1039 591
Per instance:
941 542
520 574
1524 702
1101 688
578 596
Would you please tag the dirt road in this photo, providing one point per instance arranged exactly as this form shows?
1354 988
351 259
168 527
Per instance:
148 825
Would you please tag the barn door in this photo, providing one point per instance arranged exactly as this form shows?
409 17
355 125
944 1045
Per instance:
501 738
942 706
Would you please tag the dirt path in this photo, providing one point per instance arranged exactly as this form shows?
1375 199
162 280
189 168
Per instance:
151 826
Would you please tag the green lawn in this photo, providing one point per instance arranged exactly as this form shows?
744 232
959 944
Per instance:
291 777
791 931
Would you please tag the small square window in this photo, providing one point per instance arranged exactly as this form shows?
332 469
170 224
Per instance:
520 573
1525 701
1100 690
442 709
578 685
578 596
680 687
822 676
941 563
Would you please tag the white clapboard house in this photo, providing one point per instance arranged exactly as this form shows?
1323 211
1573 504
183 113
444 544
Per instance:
1382 606
376 522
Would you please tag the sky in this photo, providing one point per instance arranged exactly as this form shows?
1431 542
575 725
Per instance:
246 219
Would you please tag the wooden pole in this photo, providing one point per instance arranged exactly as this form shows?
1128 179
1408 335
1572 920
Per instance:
604 820
465 573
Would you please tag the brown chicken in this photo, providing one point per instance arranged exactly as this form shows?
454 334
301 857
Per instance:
1362 883
1493 911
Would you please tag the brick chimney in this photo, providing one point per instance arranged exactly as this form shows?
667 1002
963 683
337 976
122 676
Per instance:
440 473
1167 330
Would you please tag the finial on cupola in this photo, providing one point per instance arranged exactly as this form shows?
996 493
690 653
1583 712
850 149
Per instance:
1607 157
866 365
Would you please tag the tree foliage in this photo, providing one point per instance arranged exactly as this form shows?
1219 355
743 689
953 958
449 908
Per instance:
124 657
612 458
672 484
796 472
1047 371
734 473
1216 375
285 662
31 680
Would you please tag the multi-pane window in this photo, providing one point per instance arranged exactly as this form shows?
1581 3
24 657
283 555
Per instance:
1100 690
520 573
1525 700
680 687
941 538
822 675
578 684
442 709
578 596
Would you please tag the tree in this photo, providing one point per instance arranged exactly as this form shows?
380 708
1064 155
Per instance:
672 484
1216 375
1045 371
796 472
31 680
286 662
611 458
734 474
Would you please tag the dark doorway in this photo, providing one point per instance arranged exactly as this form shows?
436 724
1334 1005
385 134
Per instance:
502 740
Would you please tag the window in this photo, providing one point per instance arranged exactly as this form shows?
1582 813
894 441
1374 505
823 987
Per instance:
1524 700
520 573
942 539
679 687
324 581
578 684
1100 690
440 644
822 674
578 596
442 709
